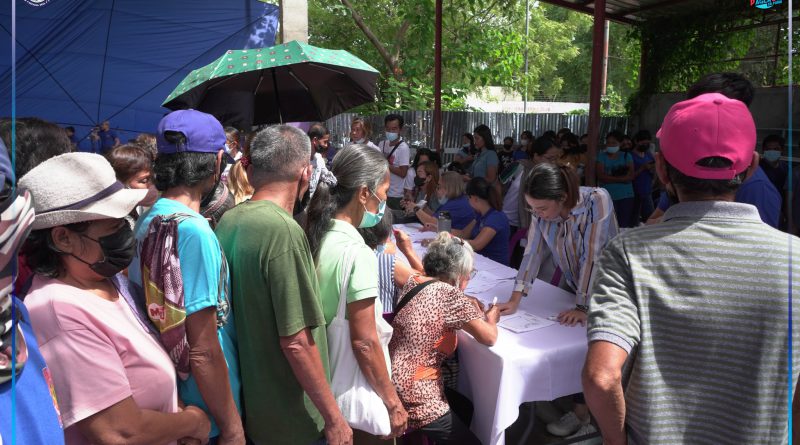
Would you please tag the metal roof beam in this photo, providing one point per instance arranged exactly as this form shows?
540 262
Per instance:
587 10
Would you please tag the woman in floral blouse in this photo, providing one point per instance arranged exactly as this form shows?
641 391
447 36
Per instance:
425 334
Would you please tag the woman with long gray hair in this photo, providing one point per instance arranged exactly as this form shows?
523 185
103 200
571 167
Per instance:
351 196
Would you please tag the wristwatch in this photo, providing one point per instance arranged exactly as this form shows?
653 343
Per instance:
582 307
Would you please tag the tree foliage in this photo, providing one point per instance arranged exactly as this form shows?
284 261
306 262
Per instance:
483 44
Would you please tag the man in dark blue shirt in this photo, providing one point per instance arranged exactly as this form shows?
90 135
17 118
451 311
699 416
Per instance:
104 138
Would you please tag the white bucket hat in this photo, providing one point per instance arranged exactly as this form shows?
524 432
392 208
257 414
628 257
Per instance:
77 187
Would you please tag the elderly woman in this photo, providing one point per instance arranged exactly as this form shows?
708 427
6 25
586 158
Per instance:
429 312
114 382
451 197
352 196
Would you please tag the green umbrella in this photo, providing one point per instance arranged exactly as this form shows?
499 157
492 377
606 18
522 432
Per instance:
291 82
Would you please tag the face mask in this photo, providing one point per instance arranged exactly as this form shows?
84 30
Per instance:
381 248
772 155
524 141
359 141
391 137
118 251
419 182
442 200
372 219
507 146
465 146
642 147
611 149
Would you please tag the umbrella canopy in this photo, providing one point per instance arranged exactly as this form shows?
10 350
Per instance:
291 82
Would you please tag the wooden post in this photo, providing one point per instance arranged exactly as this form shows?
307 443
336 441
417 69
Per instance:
437 80
595 91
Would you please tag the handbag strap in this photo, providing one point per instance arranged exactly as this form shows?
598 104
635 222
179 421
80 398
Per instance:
393 150
347 266
410 295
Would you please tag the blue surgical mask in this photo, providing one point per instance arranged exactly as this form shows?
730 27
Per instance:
772 155
391 137
443 201
381 248
465 146
611 149
372 219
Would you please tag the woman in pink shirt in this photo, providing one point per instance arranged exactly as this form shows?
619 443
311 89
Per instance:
113 381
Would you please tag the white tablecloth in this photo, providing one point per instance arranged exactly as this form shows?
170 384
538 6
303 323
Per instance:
543 364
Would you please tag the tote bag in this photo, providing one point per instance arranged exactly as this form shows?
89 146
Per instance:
361 406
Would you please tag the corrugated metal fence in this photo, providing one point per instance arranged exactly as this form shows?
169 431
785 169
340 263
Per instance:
419 125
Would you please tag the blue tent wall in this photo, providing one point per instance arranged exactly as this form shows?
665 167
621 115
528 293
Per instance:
80 62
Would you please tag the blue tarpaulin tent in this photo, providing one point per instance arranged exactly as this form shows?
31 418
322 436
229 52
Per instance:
80 62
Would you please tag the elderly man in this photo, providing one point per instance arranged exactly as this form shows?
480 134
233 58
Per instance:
688 319
280 325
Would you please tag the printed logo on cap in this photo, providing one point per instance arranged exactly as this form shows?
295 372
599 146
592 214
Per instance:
37 2
765 4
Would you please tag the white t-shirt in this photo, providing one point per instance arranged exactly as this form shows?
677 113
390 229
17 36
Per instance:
511 201
399 158
408 184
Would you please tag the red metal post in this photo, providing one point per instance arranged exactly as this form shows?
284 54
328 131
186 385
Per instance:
598 37
437 80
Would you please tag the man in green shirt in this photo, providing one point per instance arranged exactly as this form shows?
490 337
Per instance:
283 348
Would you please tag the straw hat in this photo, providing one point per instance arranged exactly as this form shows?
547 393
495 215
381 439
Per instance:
77 187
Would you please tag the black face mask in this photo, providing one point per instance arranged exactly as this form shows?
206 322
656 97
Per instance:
118 248
583 148
419 182
507 146
642 147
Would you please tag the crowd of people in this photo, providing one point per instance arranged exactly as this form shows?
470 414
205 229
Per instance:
205 285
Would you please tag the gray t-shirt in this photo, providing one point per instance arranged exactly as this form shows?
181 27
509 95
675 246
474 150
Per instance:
700 302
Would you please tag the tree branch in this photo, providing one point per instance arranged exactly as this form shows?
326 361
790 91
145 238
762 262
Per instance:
373 39
398 38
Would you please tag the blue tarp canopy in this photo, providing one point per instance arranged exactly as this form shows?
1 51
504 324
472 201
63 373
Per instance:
80 62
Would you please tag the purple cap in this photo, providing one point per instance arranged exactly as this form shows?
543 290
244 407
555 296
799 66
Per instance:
204 133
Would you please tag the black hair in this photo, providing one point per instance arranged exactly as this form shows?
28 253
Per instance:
571 139
70 128
376 235
318 130
643 135
232 133
508 138
549 134
541 145
481 188
41 254
774 138
394 117
526 133
731 85
564 130
553 182
616 134
185 168
36 141
706 187
354 167
486 134
420 152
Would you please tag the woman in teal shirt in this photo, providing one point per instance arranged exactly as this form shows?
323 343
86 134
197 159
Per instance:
615 173
354 196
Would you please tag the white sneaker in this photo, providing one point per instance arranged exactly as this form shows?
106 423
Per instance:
584 430
568 424
547 412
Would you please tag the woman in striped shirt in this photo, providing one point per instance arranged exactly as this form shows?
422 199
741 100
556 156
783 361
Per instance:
574 223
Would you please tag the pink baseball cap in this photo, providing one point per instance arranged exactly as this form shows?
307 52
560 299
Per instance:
708 125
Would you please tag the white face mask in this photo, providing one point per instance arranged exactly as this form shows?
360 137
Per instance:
359 141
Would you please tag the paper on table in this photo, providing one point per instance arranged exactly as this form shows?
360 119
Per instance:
523 322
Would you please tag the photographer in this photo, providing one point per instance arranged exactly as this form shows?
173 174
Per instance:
615 173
